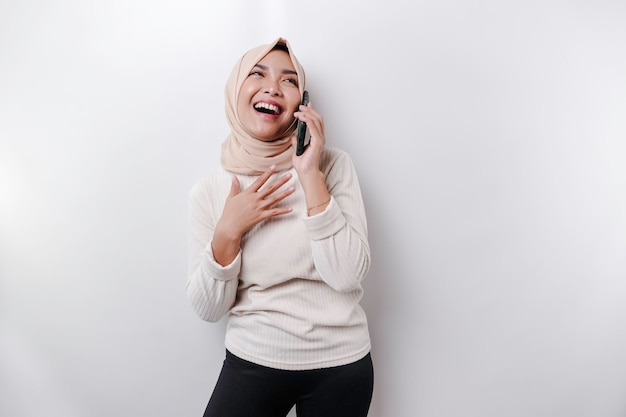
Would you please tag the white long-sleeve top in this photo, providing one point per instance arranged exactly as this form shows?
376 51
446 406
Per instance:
292 293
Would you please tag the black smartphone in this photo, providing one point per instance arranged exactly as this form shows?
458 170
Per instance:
303 133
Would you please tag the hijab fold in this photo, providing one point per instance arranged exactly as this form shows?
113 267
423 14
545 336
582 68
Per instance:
241 152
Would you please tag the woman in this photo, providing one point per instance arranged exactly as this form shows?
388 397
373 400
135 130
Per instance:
278 242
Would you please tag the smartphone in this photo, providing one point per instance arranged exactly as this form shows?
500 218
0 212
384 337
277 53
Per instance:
303 133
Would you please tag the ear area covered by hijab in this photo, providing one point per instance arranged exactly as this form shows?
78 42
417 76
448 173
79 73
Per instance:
242 153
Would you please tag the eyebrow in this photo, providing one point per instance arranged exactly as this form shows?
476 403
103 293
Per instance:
285 71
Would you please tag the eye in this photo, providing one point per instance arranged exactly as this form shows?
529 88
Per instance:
291 80
256 73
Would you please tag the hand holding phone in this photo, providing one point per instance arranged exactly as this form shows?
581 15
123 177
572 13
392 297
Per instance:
304 136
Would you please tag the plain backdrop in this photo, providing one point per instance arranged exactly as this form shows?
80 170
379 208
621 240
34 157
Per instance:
490 141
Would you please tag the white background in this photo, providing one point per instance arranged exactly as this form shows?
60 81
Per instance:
490 140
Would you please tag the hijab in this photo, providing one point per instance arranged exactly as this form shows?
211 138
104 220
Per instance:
241 152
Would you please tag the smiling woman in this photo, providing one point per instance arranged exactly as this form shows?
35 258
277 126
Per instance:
269 96
248 85
278 243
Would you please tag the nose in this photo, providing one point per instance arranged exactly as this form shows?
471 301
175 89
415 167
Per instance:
272 87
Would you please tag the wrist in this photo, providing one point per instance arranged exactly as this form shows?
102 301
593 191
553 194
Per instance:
315 191
312 178
225 247
317 208
226 236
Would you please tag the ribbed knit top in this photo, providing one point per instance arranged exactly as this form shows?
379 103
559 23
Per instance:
292 293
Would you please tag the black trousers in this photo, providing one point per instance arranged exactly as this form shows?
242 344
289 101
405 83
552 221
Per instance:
245 389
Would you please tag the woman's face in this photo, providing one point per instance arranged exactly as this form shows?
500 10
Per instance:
269 96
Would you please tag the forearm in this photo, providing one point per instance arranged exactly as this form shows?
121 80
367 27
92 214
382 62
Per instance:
342 261
211 285
338 229
340 252
211 288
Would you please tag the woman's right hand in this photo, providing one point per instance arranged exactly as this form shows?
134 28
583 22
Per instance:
244 209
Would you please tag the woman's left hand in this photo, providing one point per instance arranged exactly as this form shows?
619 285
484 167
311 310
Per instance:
309 161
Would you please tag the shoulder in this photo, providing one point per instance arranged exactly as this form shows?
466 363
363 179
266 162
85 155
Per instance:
333 158
212 182
334 153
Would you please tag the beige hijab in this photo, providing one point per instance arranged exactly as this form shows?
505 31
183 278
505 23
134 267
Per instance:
242 153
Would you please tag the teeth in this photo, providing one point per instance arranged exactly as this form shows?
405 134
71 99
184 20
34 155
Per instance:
267 106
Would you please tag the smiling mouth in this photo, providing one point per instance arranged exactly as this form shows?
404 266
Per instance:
268 108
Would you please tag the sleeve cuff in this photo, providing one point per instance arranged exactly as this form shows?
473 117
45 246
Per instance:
326 223
217 271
